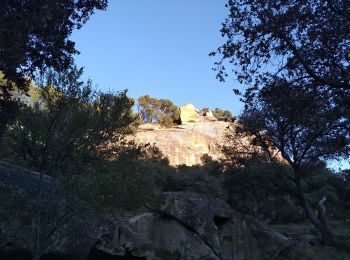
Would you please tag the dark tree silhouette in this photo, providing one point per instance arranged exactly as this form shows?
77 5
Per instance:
306 41
306 128
35 34
70 126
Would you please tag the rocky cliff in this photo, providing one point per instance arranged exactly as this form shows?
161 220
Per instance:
187 143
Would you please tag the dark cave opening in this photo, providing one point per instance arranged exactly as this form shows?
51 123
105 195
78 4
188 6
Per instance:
220 221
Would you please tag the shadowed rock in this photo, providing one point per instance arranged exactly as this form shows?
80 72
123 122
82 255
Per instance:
185 225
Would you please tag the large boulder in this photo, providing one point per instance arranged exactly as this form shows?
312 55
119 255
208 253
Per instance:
200 213
189 114
67 226
207 115
193 226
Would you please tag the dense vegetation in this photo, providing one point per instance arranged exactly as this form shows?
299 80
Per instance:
153 110
299 105
35 36
78 135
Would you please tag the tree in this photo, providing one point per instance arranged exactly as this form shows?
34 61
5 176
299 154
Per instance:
8 107
305 127
168 112
152 110
35 35
301 41
72 127
223 115
70 123
147 107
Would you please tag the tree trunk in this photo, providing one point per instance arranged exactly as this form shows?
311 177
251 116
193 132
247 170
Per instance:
319 221
37 228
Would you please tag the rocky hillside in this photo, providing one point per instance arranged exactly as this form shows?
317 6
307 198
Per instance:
186 144
184 225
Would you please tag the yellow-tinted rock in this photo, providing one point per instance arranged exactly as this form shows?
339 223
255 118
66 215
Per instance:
189 114
208 116
191 144
187 144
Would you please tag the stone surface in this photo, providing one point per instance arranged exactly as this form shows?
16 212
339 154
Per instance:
208 116
184 225
63 227
193 226
149 127
187 144
200 213
189 114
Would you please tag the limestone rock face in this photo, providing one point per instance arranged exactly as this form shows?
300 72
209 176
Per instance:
186 144
189 114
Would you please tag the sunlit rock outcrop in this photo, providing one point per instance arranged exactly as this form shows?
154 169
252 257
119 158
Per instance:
200 135
188 143
189 114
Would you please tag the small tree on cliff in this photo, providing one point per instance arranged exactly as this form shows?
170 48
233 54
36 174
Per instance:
305 127
168 112
162 111
223 115
147 107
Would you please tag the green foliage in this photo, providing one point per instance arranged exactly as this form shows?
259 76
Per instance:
138 177
201 179
306 127
147 107
261 190
222 115
71 124
168 113
117 190
303 40
35 36
267 191
118 184
162 111
343 236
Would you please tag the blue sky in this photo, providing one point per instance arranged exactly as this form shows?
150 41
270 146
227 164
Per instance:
160 48
157 47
